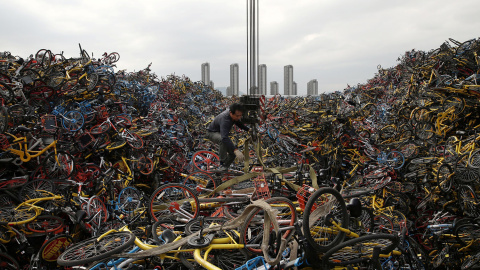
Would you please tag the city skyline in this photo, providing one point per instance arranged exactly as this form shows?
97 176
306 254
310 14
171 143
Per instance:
262 89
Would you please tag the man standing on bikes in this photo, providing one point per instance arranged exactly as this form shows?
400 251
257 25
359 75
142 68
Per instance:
218 132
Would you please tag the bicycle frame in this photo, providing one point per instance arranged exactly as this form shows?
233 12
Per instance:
25 154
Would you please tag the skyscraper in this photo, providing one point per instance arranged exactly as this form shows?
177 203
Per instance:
262 79
287 80
206 73
229 91
312 88
234 79
294 89
274 88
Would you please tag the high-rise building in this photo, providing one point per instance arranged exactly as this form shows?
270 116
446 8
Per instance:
234 82
229 91
312 88
212 84
274 88
294 89
287 80
206 73
262 79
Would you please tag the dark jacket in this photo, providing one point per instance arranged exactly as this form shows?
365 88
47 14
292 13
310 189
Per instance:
223 123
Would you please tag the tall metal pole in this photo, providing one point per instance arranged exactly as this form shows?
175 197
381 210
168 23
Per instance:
252 52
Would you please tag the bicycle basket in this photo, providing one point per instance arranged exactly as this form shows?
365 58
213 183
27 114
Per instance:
102 112
303 194
85 140
4 144
49 122
261 188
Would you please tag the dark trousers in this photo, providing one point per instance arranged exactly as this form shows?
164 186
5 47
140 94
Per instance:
226 155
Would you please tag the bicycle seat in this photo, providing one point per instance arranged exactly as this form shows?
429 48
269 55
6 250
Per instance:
23 129
80 215
355 207
168 236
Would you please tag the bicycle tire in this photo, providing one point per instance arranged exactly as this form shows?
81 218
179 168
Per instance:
100 128
174 201
251 232
359 249
205 160
134 140
395 159
46 224
466 233
74 122
51 250
474 159
96 209
193 226
445 178
18 215
3 119
129 200
6 93
62 169
7 262
42 91
328 198
159 226
470 261
34 189
91 250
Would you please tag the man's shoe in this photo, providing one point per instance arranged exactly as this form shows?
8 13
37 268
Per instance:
221 169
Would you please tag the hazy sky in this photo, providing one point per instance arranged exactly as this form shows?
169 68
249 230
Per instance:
337 42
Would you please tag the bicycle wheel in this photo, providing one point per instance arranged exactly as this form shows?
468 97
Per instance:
6 93
59 166
395 159
424 130
467 233
51 250
135 141
3 119
193 226
160 226
18 215
129 200
359 250
252 230
100 128
46 224
92 249
471 261
73 120
7 262
444 178
200 182
205 160
97 211
36 189
174 201
91 81
474 159
145 165
42 91
324 207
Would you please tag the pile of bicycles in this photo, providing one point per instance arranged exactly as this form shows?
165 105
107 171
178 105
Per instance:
110 169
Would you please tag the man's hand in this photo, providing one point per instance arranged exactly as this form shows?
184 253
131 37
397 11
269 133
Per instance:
239 155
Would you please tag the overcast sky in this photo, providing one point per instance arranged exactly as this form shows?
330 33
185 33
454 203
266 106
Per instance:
337 42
